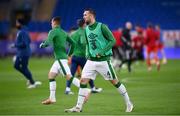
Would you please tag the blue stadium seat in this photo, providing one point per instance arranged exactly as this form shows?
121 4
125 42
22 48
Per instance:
116 12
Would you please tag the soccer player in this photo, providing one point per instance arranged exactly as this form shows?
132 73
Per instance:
79 56
118 54
57 38
160 44
151 48
138 43
23 54
126 39
99 48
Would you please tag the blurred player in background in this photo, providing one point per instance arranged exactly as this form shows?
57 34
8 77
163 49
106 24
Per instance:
78 72
79 55
138 43
151 48
127 48
118 54
22 44
58 38
160 45
99 48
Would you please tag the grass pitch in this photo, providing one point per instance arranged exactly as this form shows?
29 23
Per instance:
151 92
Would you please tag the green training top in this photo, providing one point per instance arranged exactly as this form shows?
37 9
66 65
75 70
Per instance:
80 42
57 37
100 41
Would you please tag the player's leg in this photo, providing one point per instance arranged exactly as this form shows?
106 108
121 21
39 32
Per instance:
124 58
161 48
94 89
27 73
78 71
65 70
107 71
87 73
21 65
82 62
52 83
128 54
115 57
83 96
164 61
155 52
73 69
17 64
148 60
141 55
122 90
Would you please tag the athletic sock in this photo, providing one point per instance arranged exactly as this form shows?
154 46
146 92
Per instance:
76 82
122 90
68 89
83 92
52 87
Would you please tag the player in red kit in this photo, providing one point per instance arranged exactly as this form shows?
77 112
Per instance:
117 49
151 48
159 43
138 43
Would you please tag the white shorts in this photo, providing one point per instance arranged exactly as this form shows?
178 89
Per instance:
61 66
104 68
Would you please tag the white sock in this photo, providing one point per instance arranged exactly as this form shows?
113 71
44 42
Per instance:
68 89
83 92
123 92
52 87
76 82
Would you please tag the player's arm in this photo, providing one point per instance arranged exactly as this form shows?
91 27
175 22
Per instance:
108 35
73 37
123 38
20 41
72 45
49 39
83 38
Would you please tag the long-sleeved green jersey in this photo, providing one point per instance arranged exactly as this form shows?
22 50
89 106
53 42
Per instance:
80 42
58 38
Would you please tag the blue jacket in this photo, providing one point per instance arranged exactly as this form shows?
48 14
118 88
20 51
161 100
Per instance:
22 42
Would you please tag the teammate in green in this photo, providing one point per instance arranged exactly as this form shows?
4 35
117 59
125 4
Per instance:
99 43
57 38
79 55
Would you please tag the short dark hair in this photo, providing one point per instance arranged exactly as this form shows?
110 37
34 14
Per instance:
21 21
80 22
91 11
73 28
57 19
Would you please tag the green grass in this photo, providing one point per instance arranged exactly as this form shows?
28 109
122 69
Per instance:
151 92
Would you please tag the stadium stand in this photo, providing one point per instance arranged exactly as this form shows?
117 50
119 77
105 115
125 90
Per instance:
114 13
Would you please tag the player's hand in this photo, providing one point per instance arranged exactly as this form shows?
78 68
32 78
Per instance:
41 45
12 45
98 55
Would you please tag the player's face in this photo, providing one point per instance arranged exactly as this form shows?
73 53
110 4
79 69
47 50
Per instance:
52 24
87 17
18 25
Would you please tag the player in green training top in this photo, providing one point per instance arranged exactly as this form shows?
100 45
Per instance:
79 55
99 43
57 38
